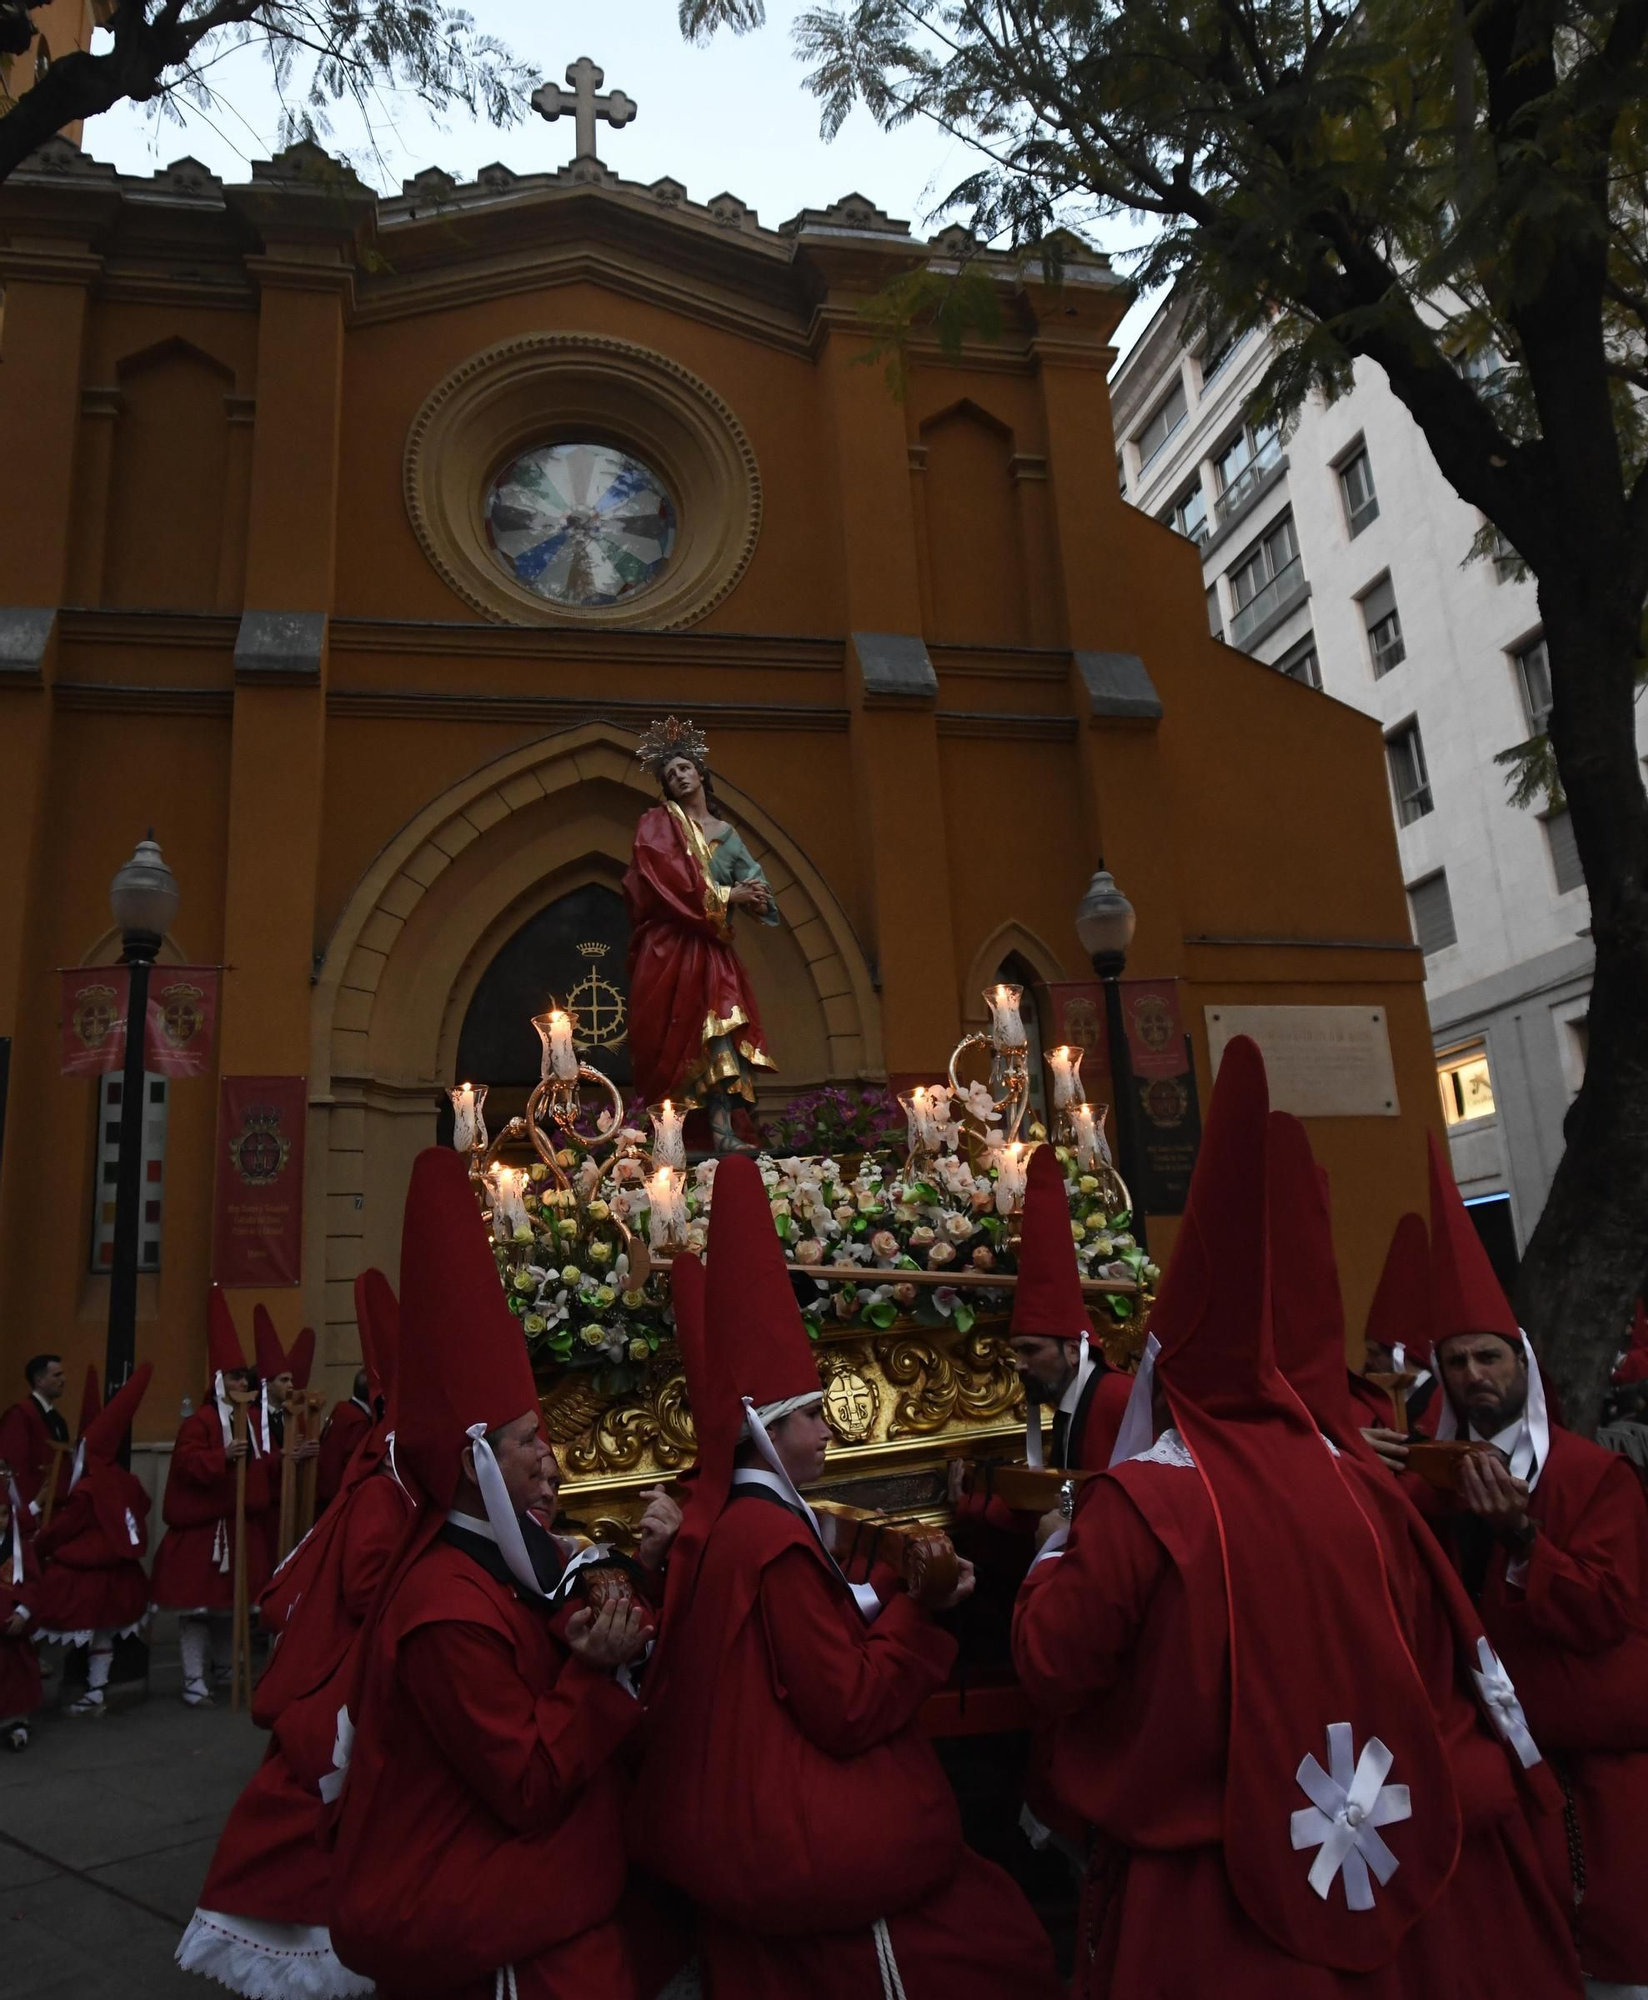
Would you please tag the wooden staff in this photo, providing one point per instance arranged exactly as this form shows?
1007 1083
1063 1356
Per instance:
1396 1383
240 1661
48 1492
295 1408
314 1402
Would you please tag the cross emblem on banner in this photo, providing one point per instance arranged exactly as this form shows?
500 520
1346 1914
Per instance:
550 101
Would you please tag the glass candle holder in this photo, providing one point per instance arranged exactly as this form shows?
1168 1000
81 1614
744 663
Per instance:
1065 1062
1092 1147
468 1117
1006 1021
669 1146
560 1058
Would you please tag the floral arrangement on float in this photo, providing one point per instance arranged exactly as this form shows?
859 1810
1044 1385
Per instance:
921 1234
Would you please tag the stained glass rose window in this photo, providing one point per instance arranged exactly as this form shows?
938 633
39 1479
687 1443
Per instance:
580 524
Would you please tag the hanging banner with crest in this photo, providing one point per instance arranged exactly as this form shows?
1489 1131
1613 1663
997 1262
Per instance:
257 1208
92 1014
182 1015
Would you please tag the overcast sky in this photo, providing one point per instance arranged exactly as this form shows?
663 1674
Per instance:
734 116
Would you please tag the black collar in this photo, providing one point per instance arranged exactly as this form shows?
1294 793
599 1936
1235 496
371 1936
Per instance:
547 1565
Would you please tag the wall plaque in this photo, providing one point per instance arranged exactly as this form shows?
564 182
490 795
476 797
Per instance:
1323 1062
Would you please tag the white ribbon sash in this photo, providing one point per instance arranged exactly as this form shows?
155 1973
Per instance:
1348 1802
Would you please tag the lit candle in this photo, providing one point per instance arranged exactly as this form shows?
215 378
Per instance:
508 1210
666 1209
463 1117
669 1148
563 1056
1092 1147
1006 1025
1010 1176
1065 1063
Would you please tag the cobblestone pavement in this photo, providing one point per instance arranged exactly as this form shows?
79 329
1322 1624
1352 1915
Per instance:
106 1828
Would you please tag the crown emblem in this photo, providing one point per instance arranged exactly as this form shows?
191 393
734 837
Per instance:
671 738
592 948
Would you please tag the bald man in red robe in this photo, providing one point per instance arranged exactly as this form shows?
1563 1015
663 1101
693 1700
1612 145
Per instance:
1240 1721
787 1786
1550 1536
480 1839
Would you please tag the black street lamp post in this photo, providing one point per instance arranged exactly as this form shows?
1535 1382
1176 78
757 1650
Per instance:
143 898
1105 922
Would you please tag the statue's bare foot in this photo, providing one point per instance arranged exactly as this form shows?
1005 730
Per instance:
722 1135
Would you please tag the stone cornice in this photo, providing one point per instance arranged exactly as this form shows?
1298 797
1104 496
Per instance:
563 711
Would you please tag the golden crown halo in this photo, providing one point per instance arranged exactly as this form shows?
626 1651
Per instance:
671 738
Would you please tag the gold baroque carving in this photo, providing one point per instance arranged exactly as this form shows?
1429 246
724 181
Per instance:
544 387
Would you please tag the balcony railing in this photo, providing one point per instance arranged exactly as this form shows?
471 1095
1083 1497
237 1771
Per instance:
1269 600
1242 488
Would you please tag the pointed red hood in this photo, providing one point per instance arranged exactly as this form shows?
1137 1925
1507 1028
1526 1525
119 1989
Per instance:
91 1401
1307 1313
378 1317
1400 1315
717 1433
224 1353
463 1360
116 1417
1315 1641
760 1347
1466 1295
301 1358
1047 1300
1633 1365
271 1356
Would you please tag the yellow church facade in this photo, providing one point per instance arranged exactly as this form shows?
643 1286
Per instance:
256 592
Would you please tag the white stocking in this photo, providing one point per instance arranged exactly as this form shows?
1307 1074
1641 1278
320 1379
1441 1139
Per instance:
100 1660
195 1643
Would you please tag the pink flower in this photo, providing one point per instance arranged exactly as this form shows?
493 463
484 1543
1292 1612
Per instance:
942 1253
885 1244
904 1294
984 1258
920 1238
809 1251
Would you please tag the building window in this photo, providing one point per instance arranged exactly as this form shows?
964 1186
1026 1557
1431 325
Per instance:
1188 514
1385 642
1241 467
1356 484
1559 838
1121 473
1162 423
152 1178
1431 908
1467 1084
1215 623
1533 672
1410 781
1222 343
580 523
1479 367
1264 579
1299 663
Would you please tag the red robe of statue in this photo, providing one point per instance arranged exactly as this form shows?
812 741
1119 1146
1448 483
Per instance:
788 1789
346 1429
19 1663
270 1866
26 1446
94 1549
1572 1631
482 1822
194 1565
686 985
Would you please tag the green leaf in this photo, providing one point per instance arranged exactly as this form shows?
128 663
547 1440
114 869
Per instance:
963 1319
882 1314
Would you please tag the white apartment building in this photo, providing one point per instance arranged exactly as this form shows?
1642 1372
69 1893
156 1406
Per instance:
1341 558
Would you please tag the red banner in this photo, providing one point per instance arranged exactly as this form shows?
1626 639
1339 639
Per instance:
182 1015
257 1210
92 1007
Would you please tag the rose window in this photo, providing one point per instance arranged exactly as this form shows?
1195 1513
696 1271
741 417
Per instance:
580 524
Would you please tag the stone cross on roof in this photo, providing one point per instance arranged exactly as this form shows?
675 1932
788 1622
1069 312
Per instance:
549 100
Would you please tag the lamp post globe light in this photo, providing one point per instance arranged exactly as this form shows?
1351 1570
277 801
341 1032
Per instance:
143 899
1105 922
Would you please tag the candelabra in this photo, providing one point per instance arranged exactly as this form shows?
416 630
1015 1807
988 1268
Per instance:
1009 1046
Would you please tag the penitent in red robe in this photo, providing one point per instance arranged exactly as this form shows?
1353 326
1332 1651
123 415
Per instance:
94 1549
26 1446
482 1822
686 985
194 1565
347 1428
1573 1633
787 1788
270 1866
19 1663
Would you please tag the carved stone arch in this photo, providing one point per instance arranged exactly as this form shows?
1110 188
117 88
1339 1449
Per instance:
1007 940
168 474
975 556
435 904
